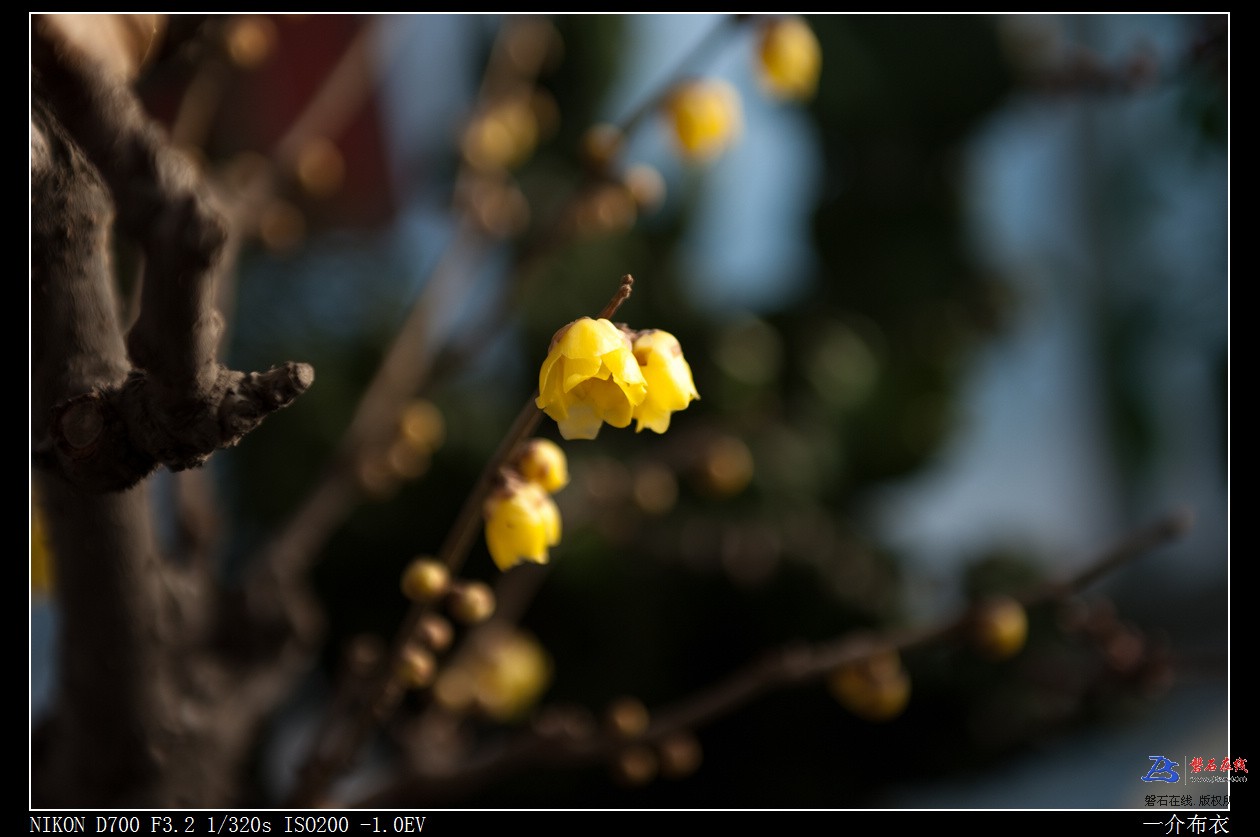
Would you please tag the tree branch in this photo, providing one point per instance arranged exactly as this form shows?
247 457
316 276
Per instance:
571 745
178 404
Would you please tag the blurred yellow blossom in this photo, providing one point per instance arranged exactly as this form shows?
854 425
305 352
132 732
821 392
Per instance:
790 58
590 376
502 136
876 688
511 674
669 384
522 521
706 117
502 676
1000 627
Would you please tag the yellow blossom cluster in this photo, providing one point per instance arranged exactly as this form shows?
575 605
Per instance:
522 521
705 116
597 373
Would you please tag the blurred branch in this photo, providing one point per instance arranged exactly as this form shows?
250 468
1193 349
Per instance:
555 742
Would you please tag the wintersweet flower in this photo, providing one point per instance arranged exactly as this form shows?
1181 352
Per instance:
669 384
790 58
522 521
706 117
590 377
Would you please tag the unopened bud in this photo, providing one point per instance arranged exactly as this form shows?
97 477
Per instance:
425 580
628 718
435 632
680 755
471 602
635 766
416 667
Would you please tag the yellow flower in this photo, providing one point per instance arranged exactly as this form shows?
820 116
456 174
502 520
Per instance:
790 58
669 384
522 521
706 117
590 376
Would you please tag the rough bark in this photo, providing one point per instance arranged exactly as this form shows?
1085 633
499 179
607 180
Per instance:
159 700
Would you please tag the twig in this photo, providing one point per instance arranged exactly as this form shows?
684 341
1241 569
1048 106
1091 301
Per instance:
383 698
788 666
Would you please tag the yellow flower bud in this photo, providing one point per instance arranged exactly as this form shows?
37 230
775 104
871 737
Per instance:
635 766
502 136
471 602
542 462
876 689
790 58
522 521
590 376
416 667
706 117
425 580
669 384
1000 627
628 718
680 755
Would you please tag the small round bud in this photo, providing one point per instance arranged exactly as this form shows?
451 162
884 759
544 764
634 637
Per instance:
421 425
727 467
1000 627
876 689
790 58
416 667
628 718
249 40
601 144
320 167
635 766
405 461
425 580
646 186
680 755
542 462
471 602
375 477
502 136
455 690
281 226
435 632
706 116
